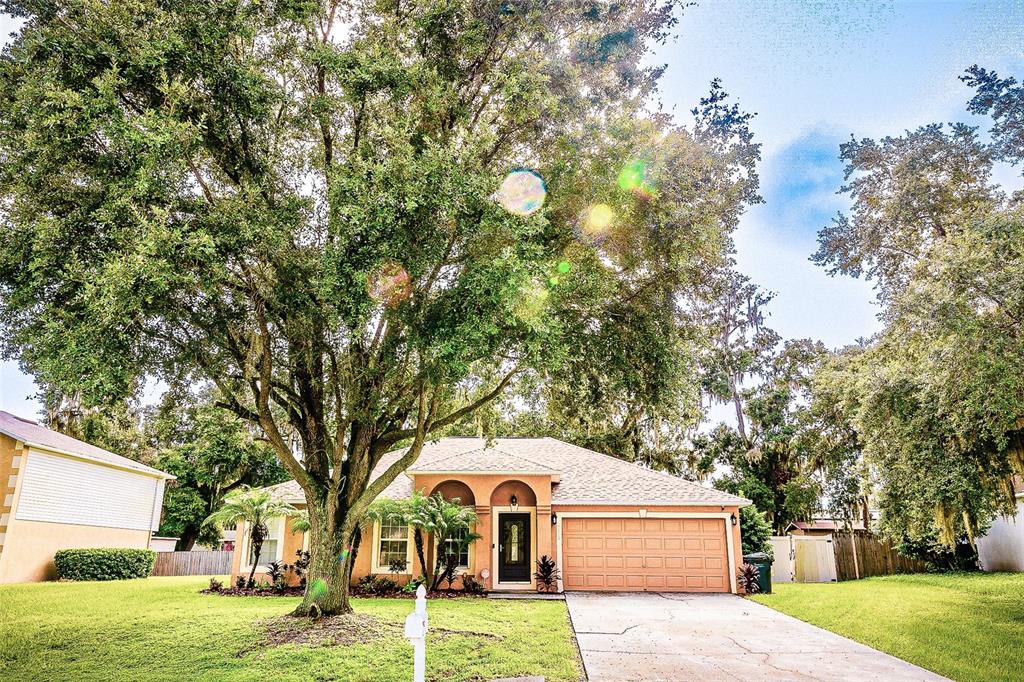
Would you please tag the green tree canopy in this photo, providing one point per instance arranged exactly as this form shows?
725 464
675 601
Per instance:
211 452
936 399
309 205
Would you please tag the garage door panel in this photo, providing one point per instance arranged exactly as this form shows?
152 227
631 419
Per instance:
685 555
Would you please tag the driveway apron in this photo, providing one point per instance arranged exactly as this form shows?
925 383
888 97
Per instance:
650 636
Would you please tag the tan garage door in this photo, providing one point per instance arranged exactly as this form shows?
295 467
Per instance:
665 555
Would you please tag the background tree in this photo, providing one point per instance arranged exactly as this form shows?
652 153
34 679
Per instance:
775 466
118 427
732 308
935 399
302 214
212 452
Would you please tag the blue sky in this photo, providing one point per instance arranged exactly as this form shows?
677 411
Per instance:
815 72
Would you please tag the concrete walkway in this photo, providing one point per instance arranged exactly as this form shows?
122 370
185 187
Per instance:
650 636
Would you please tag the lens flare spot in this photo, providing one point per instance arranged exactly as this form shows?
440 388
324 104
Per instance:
564 267
533 299
389 284
553 280
522 192
343 556
635 177
595 223
318 588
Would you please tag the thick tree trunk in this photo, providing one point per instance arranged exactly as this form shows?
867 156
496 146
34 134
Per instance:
331 557
188 539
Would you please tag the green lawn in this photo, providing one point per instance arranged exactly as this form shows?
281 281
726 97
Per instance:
163 629
964 626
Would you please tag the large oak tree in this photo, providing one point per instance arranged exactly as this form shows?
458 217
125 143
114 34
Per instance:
294 201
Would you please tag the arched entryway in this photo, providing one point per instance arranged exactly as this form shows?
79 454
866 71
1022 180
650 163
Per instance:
514 507
456 545
455 490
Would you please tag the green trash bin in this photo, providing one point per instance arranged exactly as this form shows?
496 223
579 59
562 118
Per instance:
764 569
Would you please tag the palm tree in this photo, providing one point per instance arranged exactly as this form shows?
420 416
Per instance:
421 523
401 511
429 516
451 524
301 522
254 507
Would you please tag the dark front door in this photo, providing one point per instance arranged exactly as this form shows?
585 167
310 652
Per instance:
514 548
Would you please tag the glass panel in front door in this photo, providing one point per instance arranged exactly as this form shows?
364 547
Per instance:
515 548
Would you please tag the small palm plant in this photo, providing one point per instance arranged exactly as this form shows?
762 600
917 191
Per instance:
452 528
254 507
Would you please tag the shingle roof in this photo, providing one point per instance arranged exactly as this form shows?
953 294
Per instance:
481 459
585 477
37 435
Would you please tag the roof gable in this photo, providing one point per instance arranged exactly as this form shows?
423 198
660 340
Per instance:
36 435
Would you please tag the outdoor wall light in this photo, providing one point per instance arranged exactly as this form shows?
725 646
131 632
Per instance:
514 502
734 519
554 519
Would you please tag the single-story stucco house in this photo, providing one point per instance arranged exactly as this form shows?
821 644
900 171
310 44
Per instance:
1002 547
608 524
57 492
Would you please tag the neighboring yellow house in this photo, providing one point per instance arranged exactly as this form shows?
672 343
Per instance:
57 492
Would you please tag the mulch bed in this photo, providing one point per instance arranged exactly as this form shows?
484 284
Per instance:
354 592
354 628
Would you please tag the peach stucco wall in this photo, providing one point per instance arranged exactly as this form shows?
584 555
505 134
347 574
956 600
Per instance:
495 490
12 457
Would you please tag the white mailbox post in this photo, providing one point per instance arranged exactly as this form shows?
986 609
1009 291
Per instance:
416 633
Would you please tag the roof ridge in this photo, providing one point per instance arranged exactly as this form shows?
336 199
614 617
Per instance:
527 459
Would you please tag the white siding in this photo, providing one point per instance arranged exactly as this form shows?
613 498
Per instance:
65 490
1002 548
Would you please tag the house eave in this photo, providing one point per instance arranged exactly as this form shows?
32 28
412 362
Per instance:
155 473
741 502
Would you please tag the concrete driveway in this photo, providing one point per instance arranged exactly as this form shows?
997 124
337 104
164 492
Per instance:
651 636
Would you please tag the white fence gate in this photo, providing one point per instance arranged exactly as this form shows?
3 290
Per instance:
782 567
803 559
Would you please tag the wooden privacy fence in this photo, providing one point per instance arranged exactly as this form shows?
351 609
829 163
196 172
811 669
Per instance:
192 563
859 555
840 556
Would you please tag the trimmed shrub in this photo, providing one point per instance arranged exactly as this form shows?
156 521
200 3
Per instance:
114 563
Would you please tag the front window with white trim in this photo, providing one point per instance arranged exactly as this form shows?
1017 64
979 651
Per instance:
392 544
457 545
271 545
